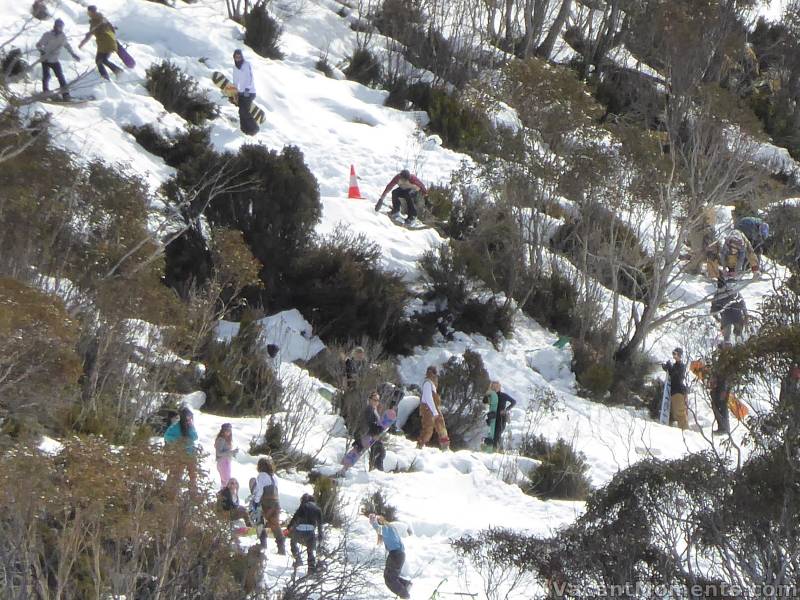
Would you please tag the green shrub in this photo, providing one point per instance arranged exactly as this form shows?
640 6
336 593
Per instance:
341 288
561 476
378 504
783 245
463 381
179 93
363 67
262 33
329 499
12 64
324 67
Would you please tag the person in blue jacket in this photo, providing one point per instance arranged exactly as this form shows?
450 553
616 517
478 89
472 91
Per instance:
396 557
183 434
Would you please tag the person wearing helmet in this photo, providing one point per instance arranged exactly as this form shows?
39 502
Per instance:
305 528
408 188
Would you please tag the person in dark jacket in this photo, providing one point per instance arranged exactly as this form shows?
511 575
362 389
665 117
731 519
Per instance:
756 230
229 502
354 365
504 404
305 528
729 308
408 188
677 375
371 426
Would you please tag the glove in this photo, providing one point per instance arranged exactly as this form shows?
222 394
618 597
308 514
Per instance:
665 366
379 204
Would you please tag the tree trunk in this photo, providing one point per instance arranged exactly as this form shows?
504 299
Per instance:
546 47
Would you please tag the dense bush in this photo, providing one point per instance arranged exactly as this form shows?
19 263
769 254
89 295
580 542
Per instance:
96 520
12 64
324 67
363 67
783 244
562 474
340 286
239 379
179 93
262 33
377 503
329 499
463 381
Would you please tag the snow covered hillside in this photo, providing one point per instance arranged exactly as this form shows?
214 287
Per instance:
336 123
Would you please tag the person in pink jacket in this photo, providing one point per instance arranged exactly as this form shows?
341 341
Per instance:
408 188
224 450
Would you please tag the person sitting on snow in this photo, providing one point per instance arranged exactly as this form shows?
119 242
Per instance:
408 188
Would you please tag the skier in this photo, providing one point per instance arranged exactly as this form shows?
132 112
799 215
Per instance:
224 450
266 494
429 412
408 187
677 374
504 405
371 426
735 250
396 557
182 432
50 45
106 41
354 365
229 502
730 309
756 230
246 88
306 528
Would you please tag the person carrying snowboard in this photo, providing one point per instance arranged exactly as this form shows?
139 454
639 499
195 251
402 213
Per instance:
504 405
677 375
305 529
735 251
266 494
408 188
430 416
50 46
490 398
224 452
729 308
246 92
370 426
106 41
396 557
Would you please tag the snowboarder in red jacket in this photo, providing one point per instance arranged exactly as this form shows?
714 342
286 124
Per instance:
408 187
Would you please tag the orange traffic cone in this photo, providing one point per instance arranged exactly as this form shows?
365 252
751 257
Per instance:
353 192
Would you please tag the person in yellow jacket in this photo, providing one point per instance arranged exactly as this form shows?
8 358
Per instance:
106 41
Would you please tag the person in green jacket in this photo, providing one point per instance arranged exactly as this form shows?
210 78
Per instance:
182 434
106 41
491 418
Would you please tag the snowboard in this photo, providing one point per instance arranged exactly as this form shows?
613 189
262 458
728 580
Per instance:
73 101
491 423
400 220
354 454
666 404
229 90
126 58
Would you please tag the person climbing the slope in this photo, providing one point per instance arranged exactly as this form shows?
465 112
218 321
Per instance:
106 41
677 375
408 188
430 415
182 436
353 366
735 250
396 557
729 308
265 493
50 46
370 426
246 92
224 452
305 529
504 405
